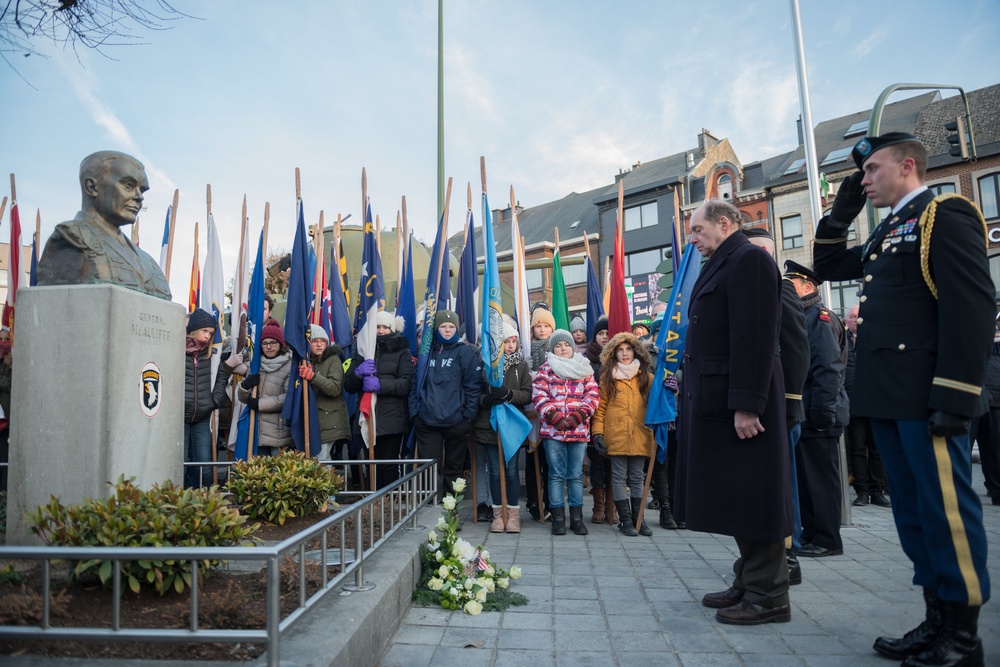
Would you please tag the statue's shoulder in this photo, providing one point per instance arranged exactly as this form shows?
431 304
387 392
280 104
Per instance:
78 233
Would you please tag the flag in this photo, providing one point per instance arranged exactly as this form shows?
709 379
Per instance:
371 293
508 421
255 322
14 271
618 313
342 266
595 308
194 291
165 243
468 275
560 309
238 320
438 264
340 318
662 406
676 240
606 294
214 290
33 269
407 306
299 297
522 307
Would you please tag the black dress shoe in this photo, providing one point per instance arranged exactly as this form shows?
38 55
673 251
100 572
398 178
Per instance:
878 498
813 551
794 569
726 598
862 499
748 613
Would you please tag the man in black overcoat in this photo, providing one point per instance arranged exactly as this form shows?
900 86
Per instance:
924 332
733 463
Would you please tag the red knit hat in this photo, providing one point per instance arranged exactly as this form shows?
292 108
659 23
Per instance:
273 331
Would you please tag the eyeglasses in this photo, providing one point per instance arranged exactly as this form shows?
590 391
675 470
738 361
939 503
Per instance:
270 343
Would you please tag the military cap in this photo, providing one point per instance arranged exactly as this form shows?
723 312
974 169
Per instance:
865 148
795 270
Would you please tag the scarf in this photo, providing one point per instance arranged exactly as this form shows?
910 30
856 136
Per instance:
512 360
575 368
196 347
271 365
625 371
539 348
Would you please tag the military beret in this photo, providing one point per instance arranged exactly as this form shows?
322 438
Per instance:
865 148
795 270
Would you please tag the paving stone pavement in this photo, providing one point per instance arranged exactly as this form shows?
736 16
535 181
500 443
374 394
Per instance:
606 599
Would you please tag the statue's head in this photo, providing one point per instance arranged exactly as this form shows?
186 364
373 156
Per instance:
113 184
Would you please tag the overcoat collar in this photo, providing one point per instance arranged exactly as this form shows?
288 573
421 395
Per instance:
732 243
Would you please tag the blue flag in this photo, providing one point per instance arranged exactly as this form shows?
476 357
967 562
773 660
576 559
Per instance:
432 302
662 407
508 421
32 278
255 323
407 307
297 333
595 299
468 279
340 318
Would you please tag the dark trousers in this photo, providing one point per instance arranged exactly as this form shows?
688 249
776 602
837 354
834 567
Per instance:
600 469
530 485
663 473
762 572
448 444
817 461
938 515
387 447
862 456
986 431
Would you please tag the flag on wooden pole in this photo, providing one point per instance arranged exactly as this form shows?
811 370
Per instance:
618 315
560 306
214 289
255 323
194 291
522 307
468 280
371 295
14 270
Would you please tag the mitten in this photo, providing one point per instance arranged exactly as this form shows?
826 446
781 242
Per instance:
371 384
251 381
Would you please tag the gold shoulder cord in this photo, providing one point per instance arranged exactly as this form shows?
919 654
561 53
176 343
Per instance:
926 227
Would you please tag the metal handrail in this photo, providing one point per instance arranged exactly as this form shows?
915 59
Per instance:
416 488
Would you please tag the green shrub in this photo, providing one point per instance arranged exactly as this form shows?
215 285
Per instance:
275 488
163 516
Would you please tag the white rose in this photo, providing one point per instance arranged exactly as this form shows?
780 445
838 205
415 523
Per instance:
453 592
458 485
490 586
503 582
473 608
515 572
464 550
443 571
438 555
485 554
442 524
435 584
432 536
481 595
434 546
488 571
449 503
468 584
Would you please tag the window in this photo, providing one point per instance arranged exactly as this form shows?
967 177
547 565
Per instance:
574 274
942 188
791 232
535 278
643 262
838 155
638 217
725 187
843 295
575 224
794 167
989 196
857 128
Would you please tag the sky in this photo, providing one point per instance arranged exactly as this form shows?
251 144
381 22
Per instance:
559 96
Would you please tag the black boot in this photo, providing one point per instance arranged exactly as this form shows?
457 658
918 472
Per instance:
576 521
666 516
957 645
794 569
625 518
645 530
920 638
558 520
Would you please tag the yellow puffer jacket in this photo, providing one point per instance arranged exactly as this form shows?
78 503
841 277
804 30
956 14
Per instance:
621 420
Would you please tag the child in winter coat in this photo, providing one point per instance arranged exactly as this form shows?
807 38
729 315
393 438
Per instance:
202 396
516 390
271 384
620 431
325 373
536 469
565 396
600 466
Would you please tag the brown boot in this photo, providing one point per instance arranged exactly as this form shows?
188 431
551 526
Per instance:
497 525
609 504
599 516
513 519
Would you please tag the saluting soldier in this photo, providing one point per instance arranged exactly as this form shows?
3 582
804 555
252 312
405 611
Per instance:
924 332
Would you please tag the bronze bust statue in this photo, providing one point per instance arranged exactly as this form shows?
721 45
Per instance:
90 248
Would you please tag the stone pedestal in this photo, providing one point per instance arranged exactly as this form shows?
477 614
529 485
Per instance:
98 392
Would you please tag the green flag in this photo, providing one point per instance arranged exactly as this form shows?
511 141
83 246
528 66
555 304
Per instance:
560 309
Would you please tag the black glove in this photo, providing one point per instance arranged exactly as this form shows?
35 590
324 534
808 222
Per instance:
488 400
253 403
599 445
251 381
946 424
499 393
849 203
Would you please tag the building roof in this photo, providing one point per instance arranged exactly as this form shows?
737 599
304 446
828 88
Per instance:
984 104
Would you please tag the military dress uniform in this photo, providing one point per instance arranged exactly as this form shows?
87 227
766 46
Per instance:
921 350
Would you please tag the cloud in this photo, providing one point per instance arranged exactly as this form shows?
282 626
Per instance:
764 101
866 45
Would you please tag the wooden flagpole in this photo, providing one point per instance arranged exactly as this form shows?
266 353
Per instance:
38 233
399 256
237 327
253 416
170 236
215 413
472 441
371 421
442 258
3 207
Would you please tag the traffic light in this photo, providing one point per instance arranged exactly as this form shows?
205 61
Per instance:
958 143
